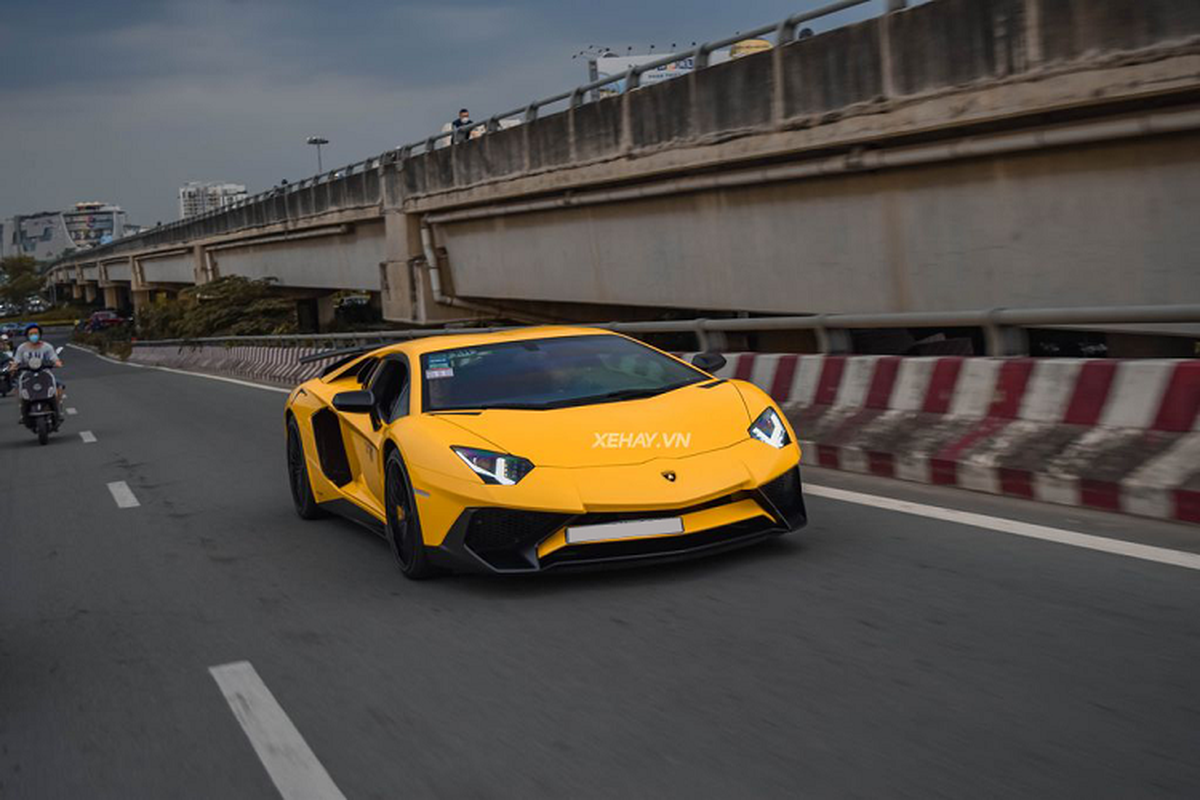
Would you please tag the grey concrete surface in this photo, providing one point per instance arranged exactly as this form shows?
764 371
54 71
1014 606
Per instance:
873 655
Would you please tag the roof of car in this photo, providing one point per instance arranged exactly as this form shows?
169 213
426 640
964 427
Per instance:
429 344
454 341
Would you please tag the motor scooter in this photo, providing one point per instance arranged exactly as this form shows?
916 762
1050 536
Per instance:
37 388
6 381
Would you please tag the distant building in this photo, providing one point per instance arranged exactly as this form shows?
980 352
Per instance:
199 198
48 235
42 235
90 224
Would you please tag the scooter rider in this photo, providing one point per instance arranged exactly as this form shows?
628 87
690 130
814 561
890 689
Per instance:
34 347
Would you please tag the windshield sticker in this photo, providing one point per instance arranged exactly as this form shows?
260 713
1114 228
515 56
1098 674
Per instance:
434 374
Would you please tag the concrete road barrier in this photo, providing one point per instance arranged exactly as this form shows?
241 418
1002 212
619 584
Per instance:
1109 434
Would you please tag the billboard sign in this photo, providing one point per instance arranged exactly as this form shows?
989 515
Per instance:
616 67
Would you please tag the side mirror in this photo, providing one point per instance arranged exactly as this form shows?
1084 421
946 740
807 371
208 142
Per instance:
361 402
709 362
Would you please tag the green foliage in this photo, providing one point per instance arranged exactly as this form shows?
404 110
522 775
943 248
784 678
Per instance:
114 341
19 278
230 306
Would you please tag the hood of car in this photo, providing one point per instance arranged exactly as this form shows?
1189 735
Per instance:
681 423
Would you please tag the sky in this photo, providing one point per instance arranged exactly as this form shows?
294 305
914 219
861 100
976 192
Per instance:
123 101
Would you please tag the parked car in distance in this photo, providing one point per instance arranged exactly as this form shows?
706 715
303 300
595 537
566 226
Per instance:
103 320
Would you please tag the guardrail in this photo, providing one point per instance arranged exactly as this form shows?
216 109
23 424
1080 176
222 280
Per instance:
784 32
1003 327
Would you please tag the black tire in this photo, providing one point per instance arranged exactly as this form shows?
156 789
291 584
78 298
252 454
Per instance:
302 495
43 430
403 524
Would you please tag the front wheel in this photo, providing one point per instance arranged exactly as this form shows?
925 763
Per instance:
43 430
403 524
302 494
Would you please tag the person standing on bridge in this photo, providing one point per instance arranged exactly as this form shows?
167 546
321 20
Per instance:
462 126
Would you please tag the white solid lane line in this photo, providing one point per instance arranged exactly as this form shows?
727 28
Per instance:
291 764
71 412
1102 544
123 495
222 379
88 437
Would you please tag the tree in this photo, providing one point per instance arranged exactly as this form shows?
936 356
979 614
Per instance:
19 278
229 306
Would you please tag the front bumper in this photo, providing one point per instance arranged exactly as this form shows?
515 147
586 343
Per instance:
505 540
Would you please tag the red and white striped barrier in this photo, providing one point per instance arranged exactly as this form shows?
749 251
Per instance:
1109 434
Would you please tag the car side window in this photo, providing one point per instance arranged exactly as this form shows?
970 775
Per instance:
366 370
390 387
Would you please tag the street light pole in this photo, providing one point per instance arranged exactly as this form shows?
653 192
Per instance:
318 141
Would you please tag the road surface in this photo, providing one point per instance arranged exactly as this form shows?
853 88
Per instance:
876 654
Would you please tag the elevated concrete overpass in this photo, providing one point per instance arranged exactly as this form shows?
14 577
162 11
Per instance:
960 153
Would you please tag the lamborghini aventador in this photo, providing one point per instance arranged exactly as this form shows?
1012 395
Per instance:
541 448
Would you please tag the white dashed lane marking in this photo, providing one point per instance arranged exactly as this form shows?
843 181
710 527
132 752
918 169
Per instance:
289 761
72 412
123 495
88 437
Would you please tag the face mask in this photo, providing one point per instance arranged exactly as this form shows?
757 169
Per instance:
33 337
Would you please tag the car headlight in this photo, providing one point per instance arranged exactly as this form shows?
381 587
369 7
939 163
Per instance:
769 428
500 469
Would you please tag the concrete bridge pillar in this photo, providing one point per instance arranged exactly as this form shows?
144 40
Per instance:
402 244
326 312
142 298
315 313
89 292
76 291
116 297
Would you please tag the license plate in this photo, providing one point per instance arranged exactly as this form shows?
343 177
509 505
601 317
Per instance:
624 530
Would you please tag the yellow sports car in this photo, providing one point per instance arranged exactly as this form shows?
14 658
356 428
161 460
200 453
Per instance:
541 448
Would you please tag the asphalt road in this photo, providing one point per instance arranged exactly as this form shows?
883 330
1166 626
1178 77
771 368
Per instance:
874 655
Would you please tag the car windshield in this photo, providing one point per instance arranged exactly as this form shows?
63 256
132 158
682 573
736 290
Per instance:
549 373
